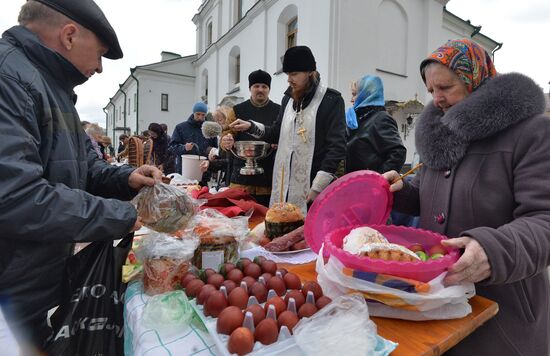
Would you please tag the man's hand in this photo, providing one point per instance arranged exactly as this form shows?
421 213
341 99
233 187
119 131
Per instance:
473 266
391 176
240 125
227 142
189 146
144 176
204 166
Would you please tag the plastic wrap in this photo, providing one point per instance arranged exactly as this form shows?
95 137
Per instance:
219 237
165 260
168 313
343 325
164 208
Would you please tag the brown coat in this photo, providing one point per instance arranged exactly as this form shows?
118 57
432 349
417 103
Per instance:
487 176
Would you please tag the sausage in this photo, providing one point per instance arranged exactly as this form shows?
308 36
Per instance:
282 243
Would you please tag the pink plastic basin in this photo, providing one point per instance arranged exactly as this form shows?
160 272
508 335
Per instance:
423 271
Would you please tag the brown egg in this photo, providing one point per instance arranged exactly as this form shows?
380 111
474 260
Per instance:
269 266
205 273
292 281
241 341
236 275
229 285
278 302
283 271
238 297
322 302
215 303
243 262
259 259
225 268
193 288
298 298
187 277
258 313
267 331
216 280
267 276
314 287
249 281
259 291
204 293
288 319
229 319
307 310
277 284
253 270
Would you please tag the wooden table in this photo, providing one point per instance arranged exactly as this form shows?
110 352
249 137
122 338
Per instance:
421 337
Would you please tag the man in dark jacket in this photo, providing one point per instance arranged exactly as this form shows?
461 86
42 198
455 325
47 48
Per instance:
262 110
188 139
310 132
54 190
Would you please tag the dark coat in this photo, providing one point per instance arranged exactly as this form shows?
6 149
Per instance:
486 176
190 131
266 115
51 179
375 144
330 130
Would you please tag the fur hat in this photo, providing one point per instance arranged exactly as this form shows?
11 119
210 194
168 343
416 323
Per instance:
299 59
259 76
89 15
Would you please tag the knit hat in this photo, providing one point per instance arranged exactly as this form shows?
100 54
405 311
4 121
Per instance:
299 59
259 76
200 107
89 15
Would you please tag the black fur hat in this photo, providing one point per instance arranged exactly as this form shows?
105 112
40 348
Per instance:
299 59
259 76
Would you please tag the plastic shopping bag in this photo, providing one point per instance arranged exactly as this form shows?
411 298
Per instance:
439 302
89 320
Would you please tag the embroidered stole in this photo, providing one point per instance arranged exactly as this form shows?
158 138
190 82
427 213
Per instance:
295 152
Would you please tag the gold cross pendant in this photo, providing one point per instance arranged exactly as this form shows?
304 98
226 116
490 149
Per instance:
302 132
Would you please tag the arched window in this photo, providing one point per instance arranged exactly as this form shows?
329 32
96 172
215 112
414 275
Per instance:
234 67
392 45
287 32
291 33
237 10
204 86
209 34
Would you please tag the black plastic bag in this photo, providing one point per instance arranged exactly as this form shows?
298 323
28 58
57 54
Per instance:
89 320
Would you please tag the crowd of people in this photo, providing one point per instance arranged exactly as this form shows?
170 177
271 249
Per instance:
483 141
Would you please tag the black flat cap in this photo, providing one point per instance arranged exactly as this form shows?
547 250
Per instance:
89 15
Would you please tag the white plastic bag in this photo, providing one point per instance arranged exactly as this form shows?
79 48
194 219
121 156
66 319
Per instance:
342 327
439 303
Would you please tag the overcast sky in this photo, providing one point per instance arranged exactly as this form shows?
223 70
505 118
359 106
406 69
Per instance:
146 27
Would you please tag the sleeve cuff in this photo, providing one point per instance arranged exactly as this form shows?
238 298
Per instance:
321 181
256 130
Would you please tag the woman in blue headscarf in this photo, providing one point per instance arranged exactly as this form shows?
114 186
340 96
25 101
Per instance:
373 140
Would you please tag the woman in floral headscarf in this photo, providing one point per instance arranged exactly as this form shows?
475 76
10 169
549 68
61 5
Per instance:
484 143
373 141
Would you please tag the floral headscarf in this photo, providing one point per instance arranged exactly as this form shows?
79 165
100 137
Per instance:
468 60
370 92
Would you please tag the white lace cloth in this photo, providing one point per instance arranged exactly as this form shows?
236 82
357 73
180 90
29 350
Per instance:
285 257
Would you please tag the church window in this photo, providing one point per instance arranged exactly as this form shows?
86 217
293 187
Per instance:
291 33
